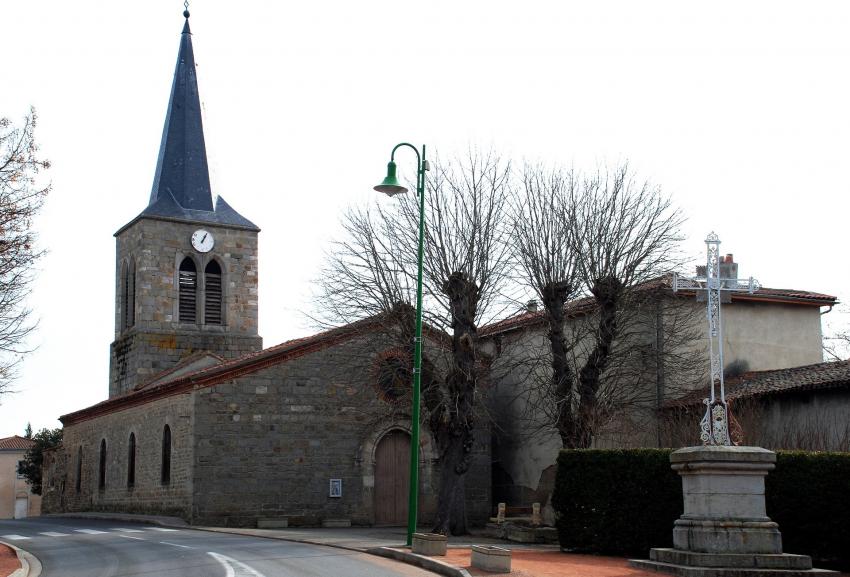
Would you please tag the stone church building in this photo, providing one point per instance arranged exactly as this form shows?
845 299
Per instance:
201 421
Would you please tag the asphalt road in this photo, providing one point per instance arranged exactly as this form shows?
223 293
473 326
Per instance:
87 548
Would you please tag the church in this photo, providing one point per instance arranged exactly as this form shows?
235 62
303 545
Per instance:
204 423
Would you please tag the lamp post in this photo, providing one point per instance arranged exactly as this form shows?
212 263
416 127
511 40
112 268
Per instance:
390 186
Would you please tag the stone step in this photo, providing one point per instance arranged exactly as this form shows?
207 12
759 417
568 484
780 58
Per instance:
737 560
685 571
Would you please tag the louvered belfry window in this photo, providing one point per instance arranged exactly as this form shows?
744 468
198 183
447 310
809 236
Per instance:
125 290
188 282
212 294
131 295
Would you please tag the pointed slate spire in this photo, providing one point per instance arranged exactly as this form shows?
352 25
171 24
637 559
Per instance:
181 168
181 185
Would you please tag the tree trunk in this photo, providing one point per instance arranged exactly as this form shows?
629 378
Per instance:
454 421
607 292
554 299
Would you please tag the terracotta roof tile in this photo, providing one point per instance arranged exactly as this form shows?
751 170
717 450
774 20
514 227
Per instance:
819 376
16 443
585 304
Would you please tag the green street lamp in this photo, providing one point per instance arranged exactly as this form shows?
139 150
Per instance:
390 186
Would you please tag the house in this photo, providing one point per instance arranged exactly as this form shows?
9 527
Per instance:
16 499
806 407
667 358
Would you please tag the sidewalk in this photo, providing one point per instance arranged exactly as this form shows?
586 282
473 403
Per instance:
8 561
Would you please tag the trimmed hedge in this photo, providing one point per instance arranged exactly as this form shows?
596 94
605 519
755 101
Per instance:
620 502
624 502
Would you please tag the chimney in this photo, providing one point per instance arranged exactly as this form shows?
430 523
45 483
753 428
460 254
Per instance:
531 306
728 267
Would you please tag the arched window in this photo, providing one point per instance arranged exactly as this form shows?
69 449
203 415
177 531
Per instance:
79 469
188 283
125 292
101 470
165 478
131 295
212 294
131 461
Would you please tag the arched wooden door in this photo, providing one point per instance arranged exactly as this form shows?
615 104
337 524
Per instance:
392 477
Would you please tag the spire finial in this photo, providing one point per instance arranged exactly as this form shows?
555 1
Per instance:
186 9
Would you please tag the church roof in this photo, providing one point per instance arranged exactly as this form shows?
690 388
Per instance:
16 443
181 185
158 388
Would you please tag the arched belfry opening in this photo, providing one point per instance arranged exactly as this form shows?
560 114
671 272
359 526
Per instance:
187 281
213 297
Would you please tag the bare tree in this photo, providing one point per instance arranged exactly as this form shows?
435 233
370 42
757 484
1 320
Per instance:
21 197
465 260
609 238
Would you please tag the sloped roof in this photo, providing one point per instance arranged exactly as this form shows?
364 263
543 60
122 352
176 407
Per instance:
820 376
585 305
227 370
15 443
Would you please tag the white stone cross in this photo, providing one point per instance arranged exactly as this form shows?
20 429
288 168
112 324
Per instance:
714 427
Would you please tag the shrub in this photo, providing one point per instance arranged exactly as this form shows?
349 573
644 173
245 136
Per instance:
809 496
624 502
620 502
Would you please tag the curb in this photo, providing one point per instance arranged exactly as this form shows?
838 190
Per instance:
427 563
30 565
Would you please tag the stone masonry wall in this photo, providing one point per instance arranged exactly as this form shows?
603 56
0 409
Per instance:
269 442
148 495
158 339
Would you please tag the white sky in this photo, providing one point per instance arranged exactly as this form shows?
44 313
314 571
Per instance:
740 110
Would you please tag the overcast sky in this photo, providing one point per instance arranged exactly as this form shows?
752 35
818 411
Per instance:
739 110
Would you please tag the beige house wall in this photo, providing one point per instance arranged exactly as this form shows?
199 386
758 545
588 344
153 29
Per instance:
12 487
765 335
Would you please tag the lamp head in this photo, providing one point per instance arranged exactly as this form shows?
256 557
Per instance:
390 185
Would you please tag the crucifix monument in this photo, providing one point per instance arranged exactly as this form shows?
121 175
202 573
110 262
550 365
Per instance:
714 428
724 530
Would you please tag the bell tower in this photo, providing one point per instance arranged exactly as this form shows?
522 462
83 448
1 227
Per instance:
186 267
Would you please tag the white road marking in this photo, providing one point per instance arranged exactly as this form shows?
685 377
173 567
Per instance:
176 545
162 529
14 537
123 530
90 531
54 534
233 567
129 537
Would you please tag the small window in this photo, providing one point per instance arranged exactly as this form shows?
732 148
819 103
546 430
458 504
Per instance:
79 469
18 469
393 378
188 291
101 470
165 478
131 461
212 294
125 292
131 295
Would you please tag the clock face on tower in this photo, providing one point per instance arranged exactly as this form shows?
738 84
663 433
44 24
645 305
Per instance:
202 240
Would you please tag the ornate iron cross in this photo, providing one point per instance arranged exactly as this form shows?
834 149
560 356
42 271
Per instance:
714 427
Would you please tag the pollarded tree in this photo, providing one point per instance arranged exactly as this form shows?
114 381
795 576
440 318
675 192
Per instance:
21 196
604 236
465 259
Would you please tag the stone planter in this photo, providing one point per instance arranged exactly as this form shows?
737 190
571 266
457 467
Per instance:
429 544
490 558
521 534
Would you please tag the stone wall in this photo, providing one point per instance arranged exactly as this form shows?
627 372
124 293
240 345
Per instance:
148 494
269 442
157 339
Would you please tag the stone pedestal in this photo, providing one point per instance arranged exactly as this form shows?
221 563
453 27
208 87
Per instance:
724 529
